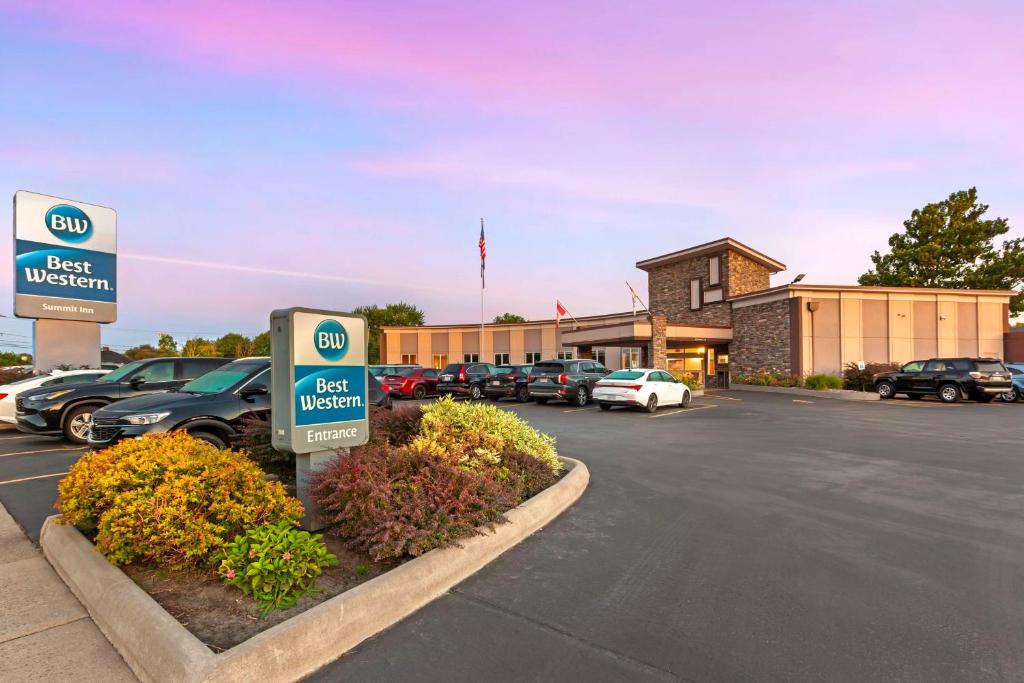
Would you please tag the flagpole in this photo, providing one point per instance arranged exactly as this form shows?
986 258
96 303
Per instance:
483 257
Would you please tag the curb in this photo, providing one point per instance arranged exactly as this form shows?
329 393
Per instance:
159 649
840 394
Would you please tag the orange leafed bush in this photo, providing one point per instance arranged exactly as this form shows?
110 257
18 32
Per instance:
169 499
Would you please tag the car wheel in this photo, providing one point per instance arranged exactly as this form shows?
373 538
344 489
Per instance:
949 393
604 406
685 403
210 438
652 403
474 392
522 394
76 424
541 401
885 389
419 392
1011 396
581 397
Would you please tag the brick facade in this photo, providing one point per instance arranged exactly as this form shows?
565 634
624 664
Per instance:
658 353
761 338
743 276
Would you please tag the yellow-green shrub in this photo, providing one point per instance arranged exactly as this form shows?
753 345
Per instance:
169 499
475 435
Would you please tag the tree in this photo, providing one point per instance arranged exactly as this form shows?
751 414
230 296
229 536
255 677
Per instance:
392 314
199 347
509 318
233 345
166 345
143 351
9 358
261 344
949 244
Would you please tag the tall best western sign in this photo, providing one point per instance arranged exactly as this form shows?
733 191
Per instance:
319 395
65 259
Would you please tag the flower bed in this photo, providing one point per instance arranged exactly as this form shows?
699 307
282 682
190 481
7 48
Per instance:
215 543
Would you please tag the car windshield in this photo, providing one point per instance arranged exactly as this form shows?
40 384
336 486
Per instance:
625 374
121 372
548 367
452 368
376 370
223 378
503 370
989 366
30 378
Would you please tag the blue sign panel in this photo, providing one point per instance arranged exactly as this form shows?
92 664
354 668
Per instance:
65 272
329 393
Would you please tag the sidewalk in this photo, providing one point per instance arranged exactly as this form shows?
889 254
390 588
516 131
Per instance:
45 634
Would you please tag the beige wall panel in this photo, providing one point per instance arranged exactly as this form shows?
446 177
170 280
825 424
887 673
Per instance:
502 342
455 346
408 343
967 329
991 321
470 343
925 321
875 326
947 328
532 340
394 351
852 331
901 340
424 348
438 343
826 348
548 343
487 351
517 351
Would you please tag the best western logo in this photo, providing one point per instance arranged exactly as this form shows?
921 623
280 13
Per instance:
330 340
68 223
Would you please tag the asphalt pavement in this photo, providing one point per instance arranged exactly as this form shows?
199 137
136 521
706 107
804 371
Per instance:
750 537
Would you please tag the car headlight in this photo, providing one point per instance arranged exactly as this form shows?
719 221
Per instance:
146 419
52 395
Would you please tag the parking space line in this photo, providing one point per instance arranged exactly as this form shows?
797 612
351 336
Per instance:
45 450
21 436
684 410
800 400
38 476
573 410
719 397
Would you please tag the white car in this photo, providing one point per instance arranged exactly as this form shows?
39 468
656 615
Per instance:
8 392
641 387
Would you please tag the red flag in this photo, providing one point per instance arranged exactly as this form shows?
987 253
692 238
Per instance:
560 310
483 252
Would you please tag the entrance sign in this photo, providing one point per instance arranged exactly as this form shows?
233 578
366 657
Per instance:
65 259
319 395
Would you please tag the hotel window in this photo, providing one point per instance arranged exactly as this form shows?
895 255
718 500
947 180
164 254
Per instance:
695 294
471 358
715 270
564 355
532 357
630 358
408 359
440 360
599 355
501 359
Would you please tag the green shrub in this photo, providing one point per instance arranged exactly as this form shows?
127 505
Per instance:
761 378
787 381
276 564
394 502
687 378
169 499
474 435
823 381
864 380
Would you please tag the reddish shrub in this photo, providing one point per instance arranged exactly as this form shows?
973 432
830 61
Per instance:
392 502
397 427
533 474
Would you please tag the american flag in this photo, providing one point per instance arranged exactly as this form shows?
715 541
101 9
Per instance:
483 253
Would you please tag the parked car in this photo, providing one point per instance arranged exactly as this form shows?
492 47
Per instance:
1017 378
641 387
509 381
415 383
569 380
53 411
464 379
210 407
981 379
380 371
8 392
375 392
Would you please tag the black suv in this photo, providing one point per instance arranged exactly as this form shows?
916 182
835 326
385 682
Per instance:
210 407
981 379
509 381
68 410
464 379
569 380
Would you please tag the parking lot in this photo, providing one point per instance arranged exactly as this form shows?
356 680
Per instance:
751 536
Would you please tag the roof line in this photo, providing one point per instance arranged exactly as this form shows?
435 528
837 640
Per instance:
728 242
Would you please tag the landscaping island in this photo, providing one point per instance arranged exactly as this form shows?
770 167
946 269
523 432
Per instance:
206 539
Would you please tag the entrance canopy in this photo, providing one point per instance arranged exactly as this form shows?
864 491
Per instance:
638 333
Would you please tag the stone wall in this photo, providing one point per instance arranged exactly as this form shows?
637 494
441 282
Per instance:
668 287
658 353
744 276
760 338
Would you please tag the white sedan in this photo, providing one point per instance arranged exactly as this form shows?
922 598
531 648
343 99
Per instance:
641 387
8 392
